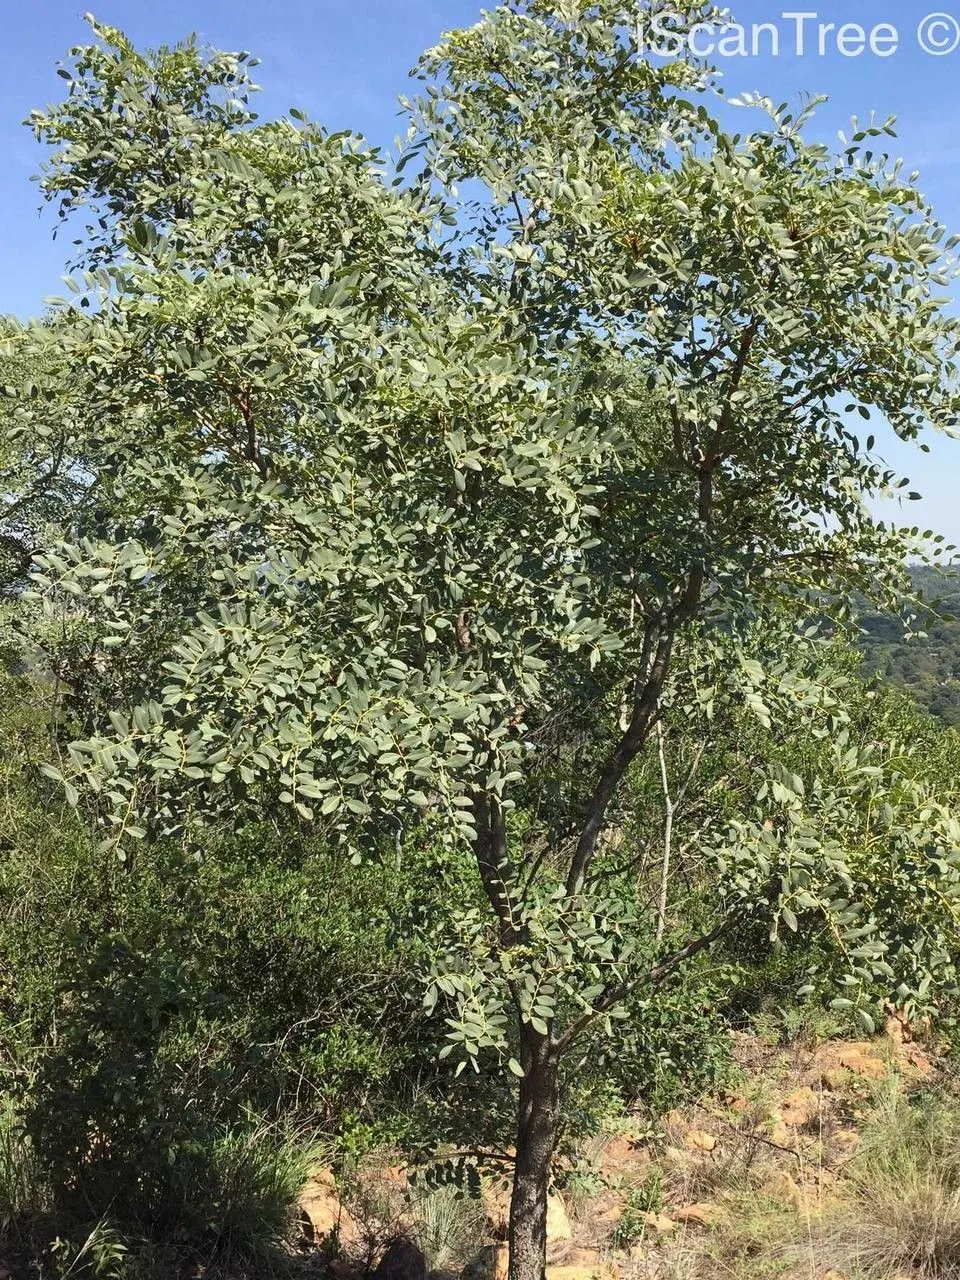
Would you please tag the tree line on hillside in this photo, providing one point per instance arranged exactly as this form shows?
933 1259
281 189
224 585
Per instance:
923 656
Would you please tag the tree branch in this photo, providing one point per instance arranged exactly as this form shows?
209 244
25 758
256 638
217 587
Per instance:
653 978
648 685
490 850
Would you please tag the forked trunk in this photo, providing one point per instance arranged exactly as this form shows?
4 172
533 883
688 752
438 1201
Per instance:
536 1142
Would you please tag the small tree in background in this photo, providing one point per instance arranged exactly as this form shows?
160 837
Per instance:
40 481
415 506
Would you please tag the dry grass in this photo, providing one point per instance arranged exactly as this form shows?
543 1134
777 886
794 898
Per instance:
447 1224
893 1214
900 1214
911 1228
449 1228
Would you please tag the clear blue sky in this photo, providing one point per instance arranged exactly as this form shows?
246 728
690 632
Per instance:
345 62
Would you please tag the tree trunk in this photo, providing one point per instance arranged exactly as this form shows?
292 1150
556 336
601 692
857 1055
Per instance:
536 1141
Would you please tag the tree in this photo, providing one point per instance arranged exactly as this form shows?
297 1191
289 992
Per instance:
429 508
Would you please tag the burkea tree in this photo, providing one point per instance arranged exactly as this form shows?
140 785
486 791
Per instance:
423 491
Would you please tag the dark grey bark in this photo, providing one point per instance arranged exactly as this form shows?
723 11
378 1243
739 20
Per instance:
537 1131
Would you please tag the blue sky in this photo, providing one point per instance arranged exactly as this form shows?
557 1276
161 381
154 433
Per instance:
345 61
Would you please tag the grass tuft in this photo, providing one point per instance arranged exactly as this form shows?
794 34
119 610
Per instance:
901 1211
21 1192
449 1228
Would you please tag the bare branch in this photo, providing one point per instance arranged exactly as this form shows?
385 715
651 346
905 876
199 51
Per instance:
667 834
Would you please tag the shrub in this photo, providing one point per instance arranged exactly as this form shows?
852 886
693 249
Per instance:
150 1013
449 1227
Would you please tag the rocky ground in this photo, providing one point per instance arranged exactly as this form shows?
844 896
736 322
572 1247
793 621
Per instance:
743 1185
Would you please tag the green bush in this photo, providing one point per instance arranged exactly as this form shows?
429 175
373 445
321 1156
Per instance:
160 1004
21 1191
151 1014
685 1049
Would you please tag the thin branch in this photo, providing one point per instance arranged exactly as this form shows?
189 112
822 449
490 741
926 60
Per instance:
252 451
648 685
667 834
653 978
490 850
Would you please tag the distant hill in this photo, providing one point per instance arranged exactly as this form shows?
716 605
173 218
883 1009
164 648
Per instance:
927 664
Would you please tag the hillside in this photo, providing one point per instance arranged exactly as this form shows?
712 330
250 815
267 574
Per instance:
793 1170
925 662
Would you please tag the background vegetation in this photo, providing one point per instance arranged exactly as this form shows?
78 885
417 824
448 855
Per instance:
923 657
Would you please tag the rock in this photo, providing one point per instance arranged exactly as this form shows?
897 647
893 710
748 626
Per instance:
581 1257
862 1062
779 1133
439 1273
846 1139
618 1151
589 1271
920 1062
496 1207
903 1030
660 1223
322 1208
609 1212
495 1197
781 1186
402 1261
487 1262
500 1263
800 1108
895 1028
836 1079
623 1153
698 1215
697 1140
